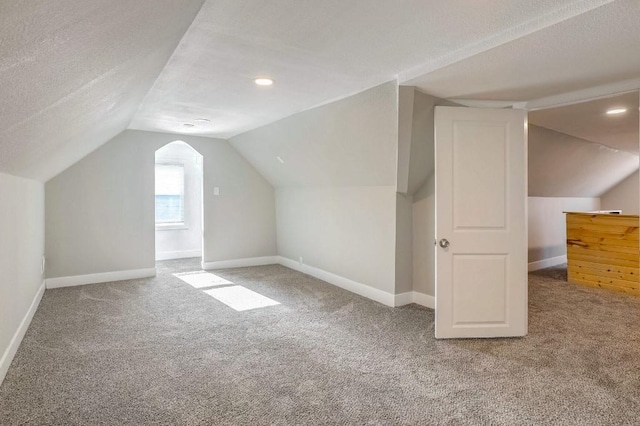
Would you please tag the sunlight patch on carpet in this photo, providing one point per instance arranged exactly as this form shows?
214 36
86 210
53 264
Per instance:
202 279
240 298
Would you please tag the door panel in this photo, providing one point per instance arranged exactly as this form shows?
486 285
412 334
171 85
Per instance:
481 276
473 209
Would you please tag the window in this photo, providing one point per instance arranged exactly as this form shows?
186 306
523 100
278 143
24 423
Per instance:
169 194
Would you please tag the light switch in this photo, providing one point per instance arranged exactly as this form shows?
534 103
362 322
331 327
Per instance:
216 190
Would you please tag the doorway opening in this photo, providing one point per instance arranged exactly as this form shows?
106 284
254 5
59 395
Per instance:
178 202
584 192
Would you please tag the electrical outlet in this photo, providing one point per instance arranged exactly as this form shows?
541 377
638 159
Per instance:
301 262
216 190
42 266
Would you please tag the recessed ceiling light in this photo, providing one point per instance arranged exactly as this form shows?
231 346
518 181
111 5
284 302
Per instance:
189 125
263 81
614 111
202 120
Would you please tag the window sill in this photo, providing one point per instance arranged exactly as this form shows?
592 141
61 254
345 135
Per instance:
171 227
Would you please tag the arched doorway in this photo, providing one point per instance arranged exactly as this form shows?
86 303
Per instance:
178 202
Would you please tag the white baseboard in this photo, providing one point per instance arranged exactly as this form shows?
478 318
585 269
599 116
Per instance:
184 254
10 352
423 299
240 263
383 297
547 263
100 278
403 299
415 297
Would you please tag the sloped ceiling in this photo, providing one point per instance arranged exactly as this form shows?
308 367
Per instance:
73 73
351 142
590 121
416 147
318 51
561 165
595 48
579 150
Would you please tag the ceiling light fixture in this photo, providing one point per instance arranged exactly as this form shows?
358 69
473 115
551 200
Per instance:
263 81
189 125
614 111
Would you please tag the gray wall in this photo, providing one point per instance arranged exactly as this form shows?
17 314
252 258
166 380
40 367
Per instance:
421 184
404 243
405 127
100 211
21 251
547 224
624 196
424 233
336 190
347 231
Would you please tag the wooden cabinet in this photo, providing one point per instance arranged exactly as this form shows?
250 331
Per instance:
603 251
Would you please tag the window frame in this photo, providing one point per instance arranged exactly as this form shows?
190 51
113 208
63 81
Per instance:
170 226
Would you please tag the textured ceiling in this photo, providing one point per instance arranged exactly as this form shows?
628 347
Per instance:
73 73
589 121
319 51
592 49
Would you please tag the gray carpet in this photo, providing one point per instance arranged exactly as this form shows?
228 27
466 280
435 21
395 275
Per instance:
157 351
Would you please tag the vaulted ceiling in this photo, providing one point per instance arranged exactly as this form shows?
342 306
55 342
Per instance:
579 150
595 48
561 165
74 73
319 51
590 121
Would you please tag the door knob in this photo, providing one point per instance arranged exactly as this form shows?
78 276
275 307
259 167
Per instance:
444 243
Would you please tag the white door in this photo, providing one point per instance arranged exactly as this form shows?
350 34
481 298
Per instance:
481 227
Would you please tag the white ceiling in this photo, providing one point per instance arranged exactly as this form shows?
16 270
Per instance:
73 73
318 51
592 49
589 121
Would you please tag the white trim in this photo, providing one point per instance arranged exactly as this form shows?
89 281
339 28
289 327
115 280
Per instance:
474 103
423 299
369 292
403 299
240 263
10 352
342 282
415 297
184 254
547 263
591 93
168 226
102 277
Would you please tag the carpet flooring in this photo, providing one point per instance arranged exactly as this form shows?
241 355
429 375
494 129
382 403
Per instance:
159 351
